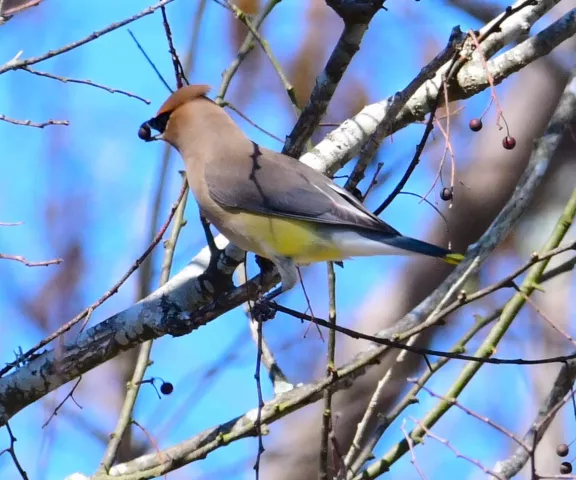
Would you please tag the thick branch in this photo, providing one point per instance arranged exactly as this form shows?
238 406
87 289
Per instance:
326 83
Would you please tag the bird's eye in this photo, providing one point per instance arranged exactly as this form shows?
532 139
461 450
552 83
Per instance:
144 132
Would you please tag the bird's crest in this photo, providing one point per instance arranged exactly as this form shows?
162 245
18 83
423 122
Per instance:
181 96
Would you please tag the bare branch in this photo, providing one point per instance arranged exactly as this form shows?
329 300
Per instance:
30 123
326 83
85 82
19 258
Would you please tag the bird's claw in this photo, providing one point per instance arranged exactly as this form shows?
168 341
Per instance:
263 309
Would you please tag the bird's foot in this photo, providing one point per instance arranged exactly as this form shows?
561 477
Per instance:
263 309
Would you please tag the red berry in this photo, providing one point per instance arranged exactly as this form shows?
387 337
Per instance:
166 388
446 194
508 142
565 468
562 450
475 124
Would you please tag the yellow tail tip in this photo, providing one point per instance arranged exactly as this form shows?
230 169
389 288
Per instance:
453 258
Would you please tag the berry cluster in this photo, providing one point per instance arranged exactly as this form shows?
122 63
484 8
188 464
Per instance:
565 467
508 142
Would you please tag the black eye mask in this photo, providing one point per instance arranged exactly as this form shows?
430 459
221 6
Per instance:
157 123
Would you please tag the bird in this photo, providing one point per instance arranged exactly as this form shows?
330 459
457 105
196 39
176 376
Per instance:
268 203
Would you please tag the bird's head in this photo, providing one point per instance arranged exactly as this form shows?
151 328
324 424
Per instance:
175 116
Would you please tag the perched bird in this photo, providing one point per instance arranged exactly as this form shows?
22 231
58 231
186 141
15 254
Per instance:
268 203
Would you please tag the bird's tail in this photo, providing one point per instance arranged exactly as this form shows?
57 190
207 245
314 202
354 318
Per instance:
380 243
424 248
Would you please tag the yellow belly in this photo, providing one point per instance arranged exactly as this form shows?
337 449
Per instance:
304 242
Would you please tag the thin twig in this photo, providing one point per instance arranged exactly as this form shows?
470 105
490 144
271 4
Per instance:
547 318
21 259
464 299
85 82
258 422
279 380
150 62
243 51
411 447
70 395
445 442
255 125
330 371
151 439
477 416
240 15
11 450
177 64
30 123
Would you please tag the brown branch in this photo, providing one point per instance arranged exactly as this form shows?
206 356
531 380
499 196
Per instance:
243 51
21 259
85 82
240 15
177 64
30 123
327 82
446 443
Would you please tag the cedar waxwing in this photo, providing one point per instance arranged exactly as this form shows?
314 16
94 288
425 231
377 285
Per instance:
266 202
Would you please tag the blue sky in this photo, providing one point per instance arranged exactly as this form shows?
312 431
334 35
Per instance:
99 178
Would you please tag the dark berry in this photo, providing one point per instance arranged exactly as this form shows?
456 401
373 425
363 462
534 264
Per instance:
475 124
144 132
508 142
562 450
565 468
446 194
166 388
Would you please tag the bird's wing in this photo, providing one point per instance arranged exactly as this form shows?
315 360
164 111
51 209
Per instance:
270 183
